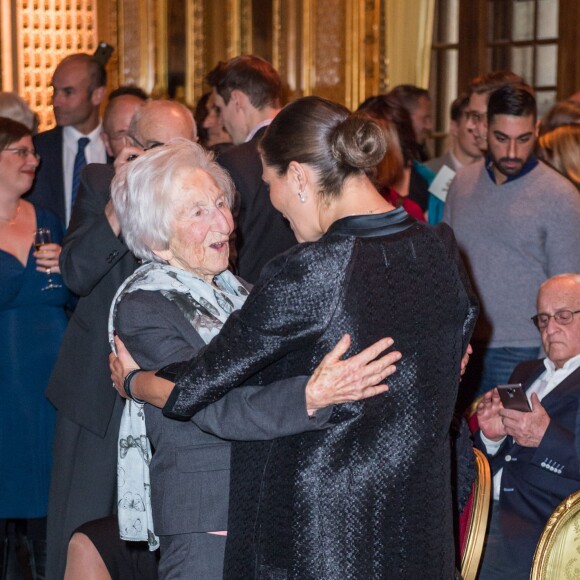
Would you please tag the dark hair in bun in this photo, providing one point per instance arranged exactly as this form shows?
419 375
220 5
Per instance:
326 136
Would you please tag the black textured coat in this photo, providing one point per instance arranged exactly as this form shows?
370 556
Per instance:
369 498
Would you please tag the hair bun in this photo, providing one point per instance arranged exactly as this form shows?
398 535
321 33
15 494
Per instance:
358 142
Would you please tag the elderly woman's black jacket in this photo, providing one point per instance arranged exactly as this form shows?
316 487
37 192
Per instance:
369 498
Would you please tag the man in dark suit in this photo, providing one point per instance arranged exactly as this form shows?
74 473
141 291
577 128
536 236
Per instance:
79 85
533 455
247 91
94 262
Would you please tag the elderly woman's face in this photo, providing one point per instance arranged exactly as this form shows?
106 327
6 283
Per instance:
202 226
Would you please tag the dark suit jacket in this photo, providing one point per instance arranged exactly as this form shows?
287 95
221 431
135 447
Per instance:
190 469
94 263
535 480
48 187
261 231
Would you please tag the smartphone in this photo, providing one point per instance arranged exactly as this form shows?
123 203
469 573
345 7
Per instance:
514 397
103 53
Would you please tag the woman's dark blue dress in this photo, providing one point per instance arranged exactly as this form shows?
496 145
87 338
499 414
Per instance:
32 323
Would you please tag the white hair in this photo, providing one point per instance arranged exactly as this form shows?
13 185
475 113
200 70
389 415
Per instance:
16 108
143 193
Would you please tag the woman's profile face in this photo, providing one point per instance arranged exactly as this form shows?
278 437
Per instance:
286 194
18 165
201 227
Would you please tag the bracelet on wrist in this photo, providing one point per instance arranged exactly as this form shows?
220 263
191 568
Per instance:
127 385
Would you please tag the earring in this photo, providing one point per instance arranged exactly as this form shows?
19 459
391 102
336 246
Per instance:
301 196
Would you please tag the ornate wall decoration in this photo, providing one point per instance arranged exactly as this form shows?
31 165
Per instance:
36 35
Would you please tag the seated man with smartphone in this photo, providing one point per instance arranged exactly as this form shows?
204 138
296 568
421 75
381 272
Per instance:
533 451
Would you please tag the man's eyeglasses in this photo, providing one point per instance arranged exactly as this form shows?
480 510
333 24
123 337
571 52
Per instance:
475 116
23 152
563 317
149 145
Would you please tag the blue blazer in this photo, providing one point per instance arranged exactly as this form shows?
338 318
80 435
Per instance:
535 480
48 187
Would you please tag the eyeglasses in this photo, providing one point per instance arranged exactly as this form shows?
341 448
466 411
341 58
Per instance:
563 318
151 144
23 152
475 116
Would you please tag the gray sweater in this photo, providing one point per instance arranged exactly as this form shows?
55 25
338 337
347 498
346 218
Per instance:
513 237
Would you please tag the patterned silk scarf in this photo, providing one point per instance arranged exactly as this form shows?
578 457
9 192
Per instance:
206 307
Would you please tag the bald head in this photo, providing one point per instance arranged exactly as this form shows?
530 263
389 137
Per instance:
79 86
116 121
160 121
561 340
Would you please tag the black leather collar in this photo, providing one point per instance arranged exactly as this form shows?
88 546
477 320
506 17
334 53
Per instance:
373 225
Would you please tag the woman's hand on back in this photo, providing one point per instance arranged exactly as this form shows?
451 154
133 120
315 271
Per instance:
337 381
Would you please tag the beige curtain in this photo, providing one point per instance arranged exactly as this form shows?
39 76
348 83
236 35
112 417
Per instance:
408 39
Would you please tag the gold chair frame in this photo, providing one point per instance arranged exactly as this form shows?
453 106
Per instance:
564 515
479 517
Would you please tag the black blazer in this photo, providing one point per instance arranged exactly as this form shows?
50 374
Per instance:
94 262
261 231
535 480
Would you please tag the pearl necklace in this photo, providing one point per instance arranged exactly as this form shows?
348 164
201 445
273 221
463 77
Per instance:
11 221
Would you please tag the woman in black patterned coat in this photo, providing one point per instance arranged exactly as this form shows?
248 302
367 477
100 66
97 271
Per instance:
370 497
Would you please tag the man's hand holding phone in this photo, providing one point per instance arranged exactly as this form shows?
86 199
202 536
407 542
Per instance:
527 428
488 417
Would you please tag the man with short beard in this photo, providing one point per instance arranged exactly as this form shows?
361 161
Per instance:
517 223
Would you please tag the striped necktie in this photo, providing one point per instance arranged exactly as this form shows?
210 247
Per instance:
80 162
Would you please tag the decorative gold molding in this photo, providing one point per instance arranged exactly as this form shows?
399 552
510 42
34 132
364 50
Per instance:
6 44
239 27
195 40
136 43
276 35
551 549
160 86
479 517
41 33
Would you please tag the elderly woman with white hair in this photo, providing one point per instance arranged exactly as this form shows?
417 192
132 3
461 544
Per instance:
173 204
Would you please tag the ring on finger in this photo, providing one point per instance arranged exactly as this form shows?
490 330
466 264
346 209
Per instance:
48 271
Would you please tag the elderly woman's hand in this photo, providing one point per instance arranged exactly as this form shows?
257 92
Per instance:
47 258
145 386
128 154
120 366
339 381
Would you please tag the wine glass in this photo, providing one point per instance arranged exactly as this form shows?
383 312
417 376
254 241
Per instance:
43 236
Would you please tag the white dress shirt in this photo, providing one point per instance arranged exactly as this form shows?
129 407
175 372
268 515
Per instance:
251 134
95 152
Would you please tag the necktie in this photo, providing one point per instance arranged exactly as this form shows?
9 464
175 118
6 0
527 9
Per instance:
80 162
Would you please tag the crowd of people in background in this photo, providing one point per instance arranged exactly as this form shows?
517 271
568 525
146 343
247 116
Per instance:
359 298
